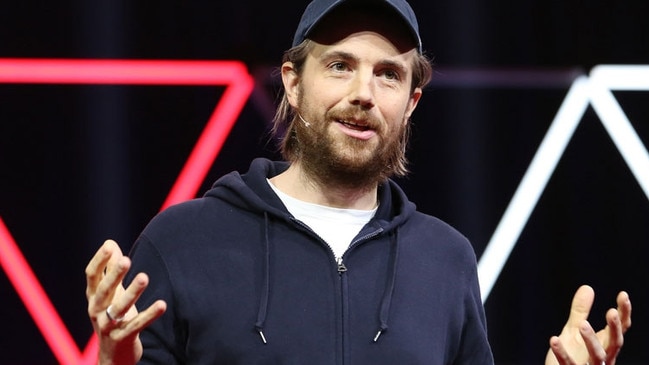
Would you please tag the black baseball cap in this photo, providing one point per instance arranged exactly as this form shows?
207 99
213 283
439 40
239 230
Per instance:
318 9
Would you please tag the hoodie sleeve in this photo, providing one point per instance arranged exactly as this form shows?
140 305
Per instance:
475 348
162 339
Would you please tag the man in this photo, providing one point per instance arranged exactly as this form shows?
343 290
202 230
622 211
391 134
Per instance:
320 260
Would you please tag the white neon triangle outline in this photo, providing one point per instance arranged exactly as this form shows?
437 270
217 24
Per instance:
596 91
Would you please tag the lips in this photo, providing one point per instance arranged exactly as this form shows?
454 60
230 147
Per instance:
354 125
357 129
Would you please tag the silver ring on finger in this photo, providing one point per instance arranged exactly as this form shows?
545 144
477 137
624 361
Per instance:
111 317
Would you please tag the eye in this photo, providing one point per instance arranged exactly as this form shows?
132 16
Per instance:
338 66
390 74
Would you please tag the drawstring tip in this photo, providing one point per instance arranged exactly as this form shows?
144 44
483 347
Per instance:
263 338
378 334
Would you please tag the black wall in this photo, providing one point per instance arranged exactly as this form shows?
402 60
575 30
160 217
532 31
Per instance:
79 164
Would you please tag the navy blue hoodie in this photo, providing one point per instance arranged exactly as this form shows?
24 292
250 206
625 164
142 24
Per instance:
246 283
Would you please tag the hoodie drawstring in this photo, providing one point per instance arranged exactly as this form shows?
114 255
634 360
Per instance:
263 300
384 312
386 301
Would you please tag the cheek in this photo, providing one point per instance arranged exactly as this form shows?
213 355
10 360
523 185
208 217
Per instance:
313 98
395 113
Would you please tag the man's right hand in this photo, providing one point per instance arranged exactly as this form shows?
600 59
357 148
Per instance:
111 308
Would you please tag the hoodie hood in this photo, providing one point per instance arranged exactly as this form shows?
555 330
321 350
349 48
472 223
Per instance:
250 191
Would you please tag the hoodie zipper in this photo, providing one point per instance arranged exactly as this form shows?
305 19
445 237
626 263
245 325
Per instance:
341 266
342 269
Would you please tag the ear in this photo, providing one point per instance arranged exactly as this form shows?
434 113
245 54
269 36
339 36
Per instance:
291 81
412 103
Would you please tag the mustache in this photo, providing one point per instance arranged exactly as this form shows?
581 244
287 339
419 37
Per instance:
356 116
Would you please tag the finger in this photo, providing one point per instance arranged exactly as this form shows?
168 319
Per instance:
615 339
130 329
111 283
146 317
560 352
123 306
582 302
624 310
595 349
97 265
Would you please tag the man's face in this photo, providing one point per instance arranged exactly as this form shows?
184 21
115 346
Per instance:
356 97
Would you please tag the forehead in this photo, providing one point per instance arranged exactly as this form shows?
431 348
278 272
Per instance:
349 19
364 46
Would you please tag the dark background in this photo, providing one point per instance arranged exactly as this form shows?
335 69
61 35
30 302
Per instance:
79 164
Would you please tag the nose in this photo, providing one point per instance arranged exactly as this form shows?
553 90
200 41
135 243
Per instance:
362 90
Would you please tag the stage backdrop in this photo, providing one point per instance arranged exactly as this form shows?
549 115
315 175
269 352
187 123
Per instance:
83 160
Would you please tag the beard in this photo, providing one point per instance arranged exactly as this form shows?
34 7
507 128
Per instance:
330 157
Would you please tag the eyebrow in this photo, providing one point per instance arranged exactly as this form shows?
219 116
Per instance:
337 54
386 63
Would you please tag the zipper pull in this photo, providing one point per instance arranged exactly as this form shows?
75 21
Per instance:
341 266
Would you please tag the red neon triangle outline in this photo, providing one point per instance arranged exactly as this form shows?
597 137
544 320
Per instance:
239 85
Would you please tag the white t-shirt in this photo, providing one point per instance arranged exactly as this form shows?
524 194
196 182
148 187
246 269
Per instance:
335 226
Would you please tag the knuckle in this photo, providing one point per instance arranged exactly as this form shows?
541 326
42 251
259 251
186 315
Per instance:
92 315
89 272
620 342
